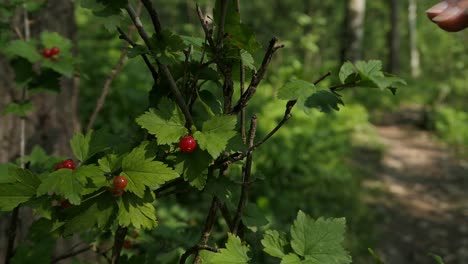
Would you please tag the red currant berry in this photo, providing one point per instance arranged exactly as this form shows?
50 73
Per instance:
187 144
67 164
120 182
127 244
65 204
47 53
54 51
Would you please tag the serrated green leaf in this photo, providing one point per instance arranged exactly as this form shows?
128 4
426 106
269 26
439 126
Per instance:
253 217
274 243
234 253
167 47
137 212
85 146
65 182
18 191
247 60
19 109
137 50
324 101
5 176
194 167
110 163
24 49
92 176
346 70
141 171
295 89
216 134
369 68
291 258
319 240
167 122
94 212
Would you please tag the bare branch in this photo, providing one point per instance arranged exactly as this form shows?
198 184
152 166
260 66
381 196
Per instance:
71 254
257 77
172 84
119 239
145 58
195 249
222 19
204 24
209 222
246 178
153 14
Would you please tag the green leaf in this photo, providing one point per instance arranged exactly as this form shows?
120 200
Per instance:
140 213
295 89
93 178
137 50
86 146
167 122
253 216
324 101
94 212
247 60
274 243
369 68
167 47
64 64
5 176
48 80
346 70
110 163
216 134
20 109
194 167
319 240
234 253
21 190
291 258
437 258
141 171
67 183
24 49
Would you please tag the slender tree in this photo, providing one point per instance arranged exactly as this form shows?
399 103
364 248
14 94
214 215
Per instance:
414 52
393 61
353 30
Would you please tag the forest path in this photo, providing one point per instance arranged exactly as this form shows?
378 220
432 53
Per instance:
423 197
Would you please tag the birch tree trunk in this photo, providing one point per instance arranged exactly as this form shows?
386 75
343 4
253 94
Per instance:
414 52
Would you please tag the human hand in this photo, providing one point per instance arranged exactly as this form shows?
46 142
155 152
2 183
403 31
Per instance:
450 15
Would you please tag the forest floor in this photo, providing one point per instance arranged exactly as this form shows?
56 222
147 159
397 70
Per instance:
420 191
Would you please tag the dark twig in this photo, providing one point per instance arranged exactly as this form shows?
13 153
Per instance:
257 77
145 58
287 114
226 215
222 18
119 239
246 178
107 84
172 84
204 24
153 14
12 235
195 249
209 222
71 254
242 89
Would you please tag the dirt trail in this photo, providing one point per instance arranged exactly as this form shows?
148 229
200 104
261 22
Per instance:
424 201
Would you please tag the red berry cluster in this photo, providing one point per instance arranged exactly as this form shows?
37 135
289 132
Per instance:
51 53
120 182
66 164
187 144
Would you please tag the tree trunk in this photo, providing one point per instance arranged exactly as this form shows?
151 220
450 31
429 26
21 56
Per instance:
353 34
393 62
414 52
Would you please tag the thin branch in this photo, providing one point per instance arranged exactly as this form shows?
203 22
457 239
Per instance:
71 254
222 19
209 222
246 178
195 249
172 84
287 114
12 235
119 239
242 89
226 215
105 89
153 14
257 77
204 24
145 58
